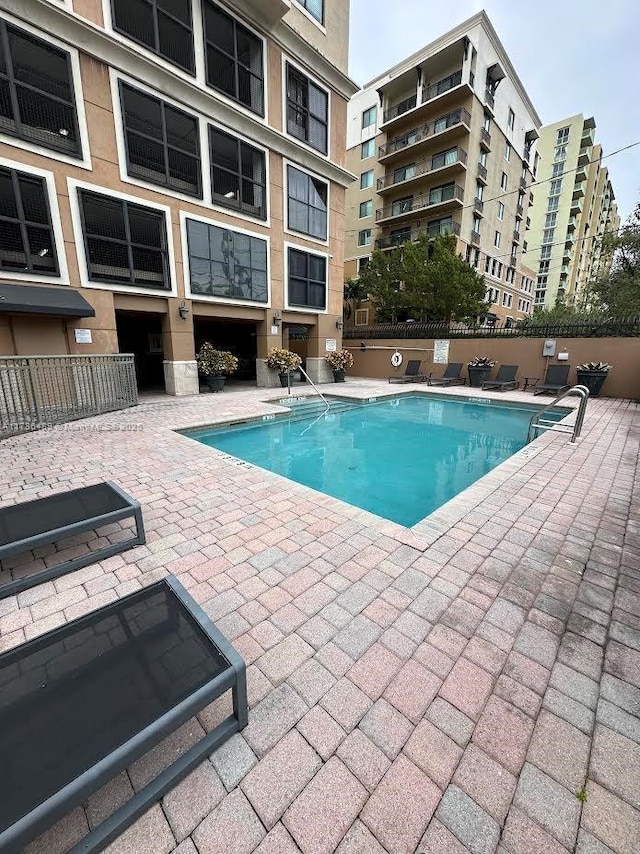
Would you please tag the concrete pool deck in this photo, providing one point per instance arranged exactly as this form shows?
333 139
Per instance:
471 684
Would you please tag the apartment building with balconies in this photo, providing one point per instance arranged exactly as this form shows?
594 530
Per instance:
445 142
172 173
574 206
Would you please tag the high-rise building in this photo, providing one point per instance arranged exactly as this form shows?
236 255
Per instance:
574 207
445 141
173 173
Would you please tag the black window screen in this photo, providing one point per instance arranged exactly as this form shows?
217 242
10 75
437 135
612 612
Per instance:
125 243
234 59
307 110
26 243
238 174
225 263
37 102
307 204
163 26
307 280
163 145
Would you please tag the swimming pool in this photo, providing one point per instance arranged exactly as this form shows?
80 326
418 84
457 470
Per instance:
398 458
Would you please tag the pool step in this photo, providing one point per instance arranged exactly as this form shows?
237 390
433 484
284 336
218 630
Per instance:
315 406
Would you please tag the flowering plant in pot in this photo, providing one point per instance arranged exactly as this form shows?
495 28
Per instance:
214 365
283 361
339 361
479 369
592 375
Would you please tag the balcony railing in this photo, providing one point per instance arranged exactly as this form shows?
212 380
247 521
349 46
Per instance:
428 200
456 117
475 237
516 236
442 86
485 139
478 206
482 172
489 100
400 108
513 261
410 235
519 210
424 167
523 183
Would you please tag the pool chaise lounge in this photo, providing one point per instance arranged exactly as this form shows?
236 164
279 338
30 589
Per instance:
411 374
555 381
505 379
451 376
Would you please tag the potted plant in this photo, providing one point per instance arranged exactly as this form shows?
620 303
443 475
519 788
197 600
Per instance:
283 361
593 375
214 365
479 370
339 361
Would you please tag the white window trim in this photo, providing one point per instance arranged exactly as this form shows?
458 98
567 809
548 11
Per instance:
310 17
56 223
497 237
73 186
200 78
361 231
355 317
302 309
364 141
184 216
286 59
74 56
500 214
285 210
366 216
370 186
205 158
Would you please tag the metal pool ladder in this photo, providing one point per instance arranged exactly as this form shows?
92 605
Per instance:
311 383
539 423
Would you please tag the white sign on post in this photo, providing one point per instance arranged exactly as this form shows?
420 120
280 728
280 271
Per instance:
83 336
331 345
441 352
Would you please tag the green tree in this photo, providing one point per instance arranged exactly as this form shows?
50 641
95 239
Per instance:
618 293
382 280
354 293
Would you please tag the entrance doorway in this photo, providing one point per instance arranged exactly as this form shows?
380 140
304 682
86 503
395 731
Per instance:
297 337
237 336
140 333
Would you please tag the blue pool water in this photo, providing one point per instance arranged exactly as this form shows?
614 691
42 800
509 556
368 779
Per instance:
400 459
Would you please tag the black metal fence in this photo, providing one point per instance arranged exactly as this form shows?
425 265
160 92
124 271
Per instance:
596 327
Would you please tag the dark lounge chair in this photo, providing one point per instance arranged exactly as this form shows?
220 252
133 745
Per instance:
451 376
555 380
505 379
411 374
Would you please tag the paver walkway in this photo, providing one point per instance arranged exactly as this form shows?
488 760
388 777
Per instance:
471 685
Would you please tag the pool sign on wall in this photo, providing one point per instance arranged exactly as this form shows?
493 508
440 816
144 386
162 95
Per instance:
441 352
331 345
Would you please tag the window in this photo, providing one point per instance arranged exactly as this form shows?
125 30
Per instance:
444 158
125 243
28 244
550 220
486 122
402 206
37 102
162 142
307 280
238 174
366 180
366 208
441 194
511 121
369 117
500 211
367 149
514 249
404 173
507 300
476 224
315 8
504 181
307 110
496 239
225 263
487 263
556 187
440 226
561 154
544 267
545 252
362 317
507 151
536 163
563 136
362 263
233 58
558 169
483 159
364 237
547 235
479 191
163 26
307 203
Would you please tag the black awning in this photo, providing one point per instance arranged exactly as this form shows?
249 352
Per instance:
30 299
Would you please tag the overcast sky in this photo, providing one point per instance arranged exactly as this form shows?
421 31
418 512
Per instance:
573 56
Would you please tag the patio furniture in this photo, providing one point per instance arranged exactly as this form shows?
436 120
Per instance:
411 374
451 376
505 379
82 702
44 521
530 383
555 380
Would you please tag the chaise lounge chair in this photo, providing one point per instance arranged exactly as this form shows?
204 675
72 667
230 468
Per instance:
505 379
451 376
411 374
555 381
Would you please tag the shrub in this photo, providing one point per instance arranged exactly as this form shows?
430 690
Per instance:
214 363
339 360
481 362
282 360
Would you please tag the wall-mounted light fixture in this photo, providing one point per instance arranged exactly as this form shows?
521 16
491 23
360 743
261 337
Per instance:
183 311
277 318
339 323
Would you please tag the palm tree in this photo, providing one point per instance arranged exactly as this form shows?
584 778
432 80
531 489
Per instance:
354 294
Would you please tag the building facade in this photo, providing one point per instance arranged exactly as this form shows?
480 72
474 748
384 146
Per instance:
445 141
173 173
574 207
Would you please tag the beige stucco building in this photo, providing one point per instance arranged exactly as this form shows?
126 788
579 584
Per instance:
445 141
170 174
573 209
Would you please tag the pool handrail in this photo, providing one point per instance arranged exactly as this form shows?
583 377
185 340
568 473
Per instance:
311 383
538 424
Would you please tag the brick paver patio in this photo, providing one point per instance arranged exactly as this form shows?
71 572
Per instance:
469 685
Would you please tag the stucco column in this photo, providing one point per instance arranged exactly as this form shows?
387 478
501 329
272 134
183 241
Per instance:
266 338
324 330
180 368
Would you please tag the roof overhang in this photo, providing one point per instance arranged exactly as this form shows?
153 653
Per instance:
31 299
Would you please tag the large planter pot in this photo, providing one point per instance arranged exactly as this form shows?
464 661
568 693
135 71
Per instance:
215 383
284 379
477 376
338 376
593 380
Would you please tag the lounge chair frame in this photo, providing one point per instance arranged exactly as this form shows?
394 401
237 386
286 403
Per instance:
411 378
554 388
444 380
503 385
